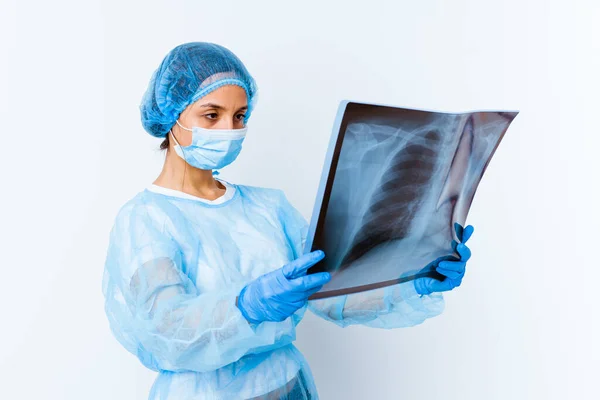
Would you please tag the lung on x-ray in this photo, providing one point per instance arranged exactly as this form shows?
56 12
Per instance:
395 192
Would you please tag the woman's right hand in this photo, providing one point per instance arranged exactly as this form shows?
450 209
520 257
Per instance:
278 294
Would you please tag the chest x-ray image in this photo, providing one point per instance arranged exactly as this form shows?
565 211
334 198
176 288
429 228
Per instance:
395 192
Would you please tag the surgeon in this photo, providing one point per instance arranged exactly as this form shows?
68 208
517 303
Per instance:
205 280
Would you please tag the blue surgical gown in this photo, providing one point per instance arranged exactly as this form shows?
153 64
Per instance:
173 269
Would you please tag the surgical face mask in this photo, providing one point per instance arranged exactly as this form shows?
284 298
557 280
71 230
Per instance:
211 148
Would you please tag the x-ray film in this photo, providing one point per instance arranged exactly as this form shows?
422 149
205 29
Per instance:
395 192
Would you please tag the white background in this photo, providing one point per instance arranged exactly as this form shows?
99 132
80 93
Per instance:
525 322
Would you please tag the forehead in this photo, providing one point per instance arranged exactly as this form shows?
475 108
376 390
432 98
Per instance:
227 96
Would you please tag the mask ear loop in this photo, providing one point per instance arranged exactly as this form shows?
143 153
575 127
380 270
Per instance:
215 172
184 160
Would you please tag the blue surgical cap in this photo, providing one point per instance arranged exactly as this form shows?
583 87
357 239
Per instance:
187 73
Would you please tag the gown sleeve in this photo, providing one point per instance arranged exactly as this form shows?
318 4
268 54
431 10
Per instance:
157 313
389 307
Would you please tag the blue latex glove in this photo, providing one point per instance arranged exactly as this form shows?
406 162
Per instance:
278 294
454 271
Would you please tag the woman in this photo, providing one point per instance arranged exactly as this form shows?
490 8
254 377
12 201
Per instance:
205 280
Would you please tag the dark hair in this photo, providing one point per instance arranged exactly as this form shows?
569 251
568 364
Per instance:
165 143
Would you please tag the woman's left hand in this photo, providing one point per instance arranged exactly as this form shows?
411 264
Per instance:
454 271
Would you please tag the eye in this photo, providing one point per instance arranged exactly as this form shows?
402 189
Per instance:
242 115
215 115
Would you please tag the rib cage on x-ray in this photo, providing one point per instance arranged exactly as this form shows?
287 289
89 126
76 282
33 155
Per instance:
399 181
394 203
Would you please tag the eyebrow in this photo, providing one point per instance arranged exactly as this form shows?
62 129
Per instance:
218 107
